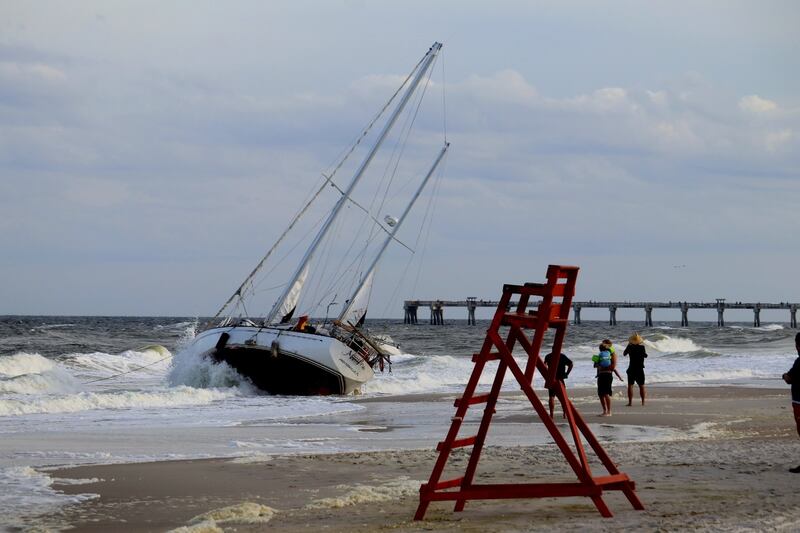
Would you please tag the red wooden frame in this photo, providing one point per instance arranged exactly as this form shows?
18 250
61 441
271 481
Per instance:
552 312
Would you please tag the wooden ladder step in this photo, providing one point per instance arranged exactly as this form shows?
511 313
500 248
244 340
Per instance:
521 320
458 443
446 484
612 480
478 398
491 356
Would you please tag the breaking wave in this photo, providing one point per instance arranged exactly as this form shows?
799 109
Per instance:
84 401
152 359
24 363
667 344
194 370
26 373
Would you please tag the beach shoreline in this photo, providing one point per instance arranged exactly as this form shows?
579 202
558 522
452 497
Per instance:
721 463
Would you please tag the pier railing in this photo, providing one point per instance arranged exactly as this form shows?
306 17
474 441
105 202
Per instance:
720 305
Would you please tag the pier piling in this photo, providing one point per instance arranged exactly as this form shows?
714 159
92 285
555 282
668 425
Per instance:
471 306
576 313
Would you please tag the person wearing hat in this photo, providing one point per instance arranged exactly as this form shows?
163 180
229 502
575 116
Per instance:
637 353
792 377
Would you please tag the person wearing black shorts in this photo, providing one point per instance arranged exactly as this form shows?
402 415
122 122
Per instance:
605 377
637 353
564 368
792 377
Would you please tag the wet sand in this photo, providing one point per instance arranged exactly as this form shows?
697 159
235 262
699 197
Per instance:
723 468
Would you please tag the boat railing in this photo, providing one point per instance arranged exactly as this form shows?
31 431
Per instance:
354 339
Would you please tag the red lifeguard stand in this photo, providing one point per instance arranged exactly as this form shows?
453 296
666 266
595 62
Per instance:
552 312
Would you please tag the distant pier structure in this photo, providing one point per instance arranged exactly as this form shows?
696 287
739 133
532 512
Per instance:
720 305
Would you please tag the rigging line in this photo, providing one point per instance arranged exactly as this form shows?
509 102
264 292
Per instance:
396 155
444 101
252 274
270 288
344 272
370 215
390 159
127 371
407 135
403 276
405 128
377 116
253 285
339 272
321 264
392 298
429 217
427 225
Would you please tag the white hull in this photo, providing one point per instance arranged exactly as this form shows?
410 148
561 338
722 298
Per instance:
282 361
386 346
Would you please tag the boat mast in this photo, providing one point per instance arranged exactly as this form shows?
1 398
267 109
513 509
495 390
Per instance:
389 238
292 289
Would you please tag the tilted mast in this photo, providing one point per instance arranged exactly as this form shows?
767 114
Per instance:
356 307
284 306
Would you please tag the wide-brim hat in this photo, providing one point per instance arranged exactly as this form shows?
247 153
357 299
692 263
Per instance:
635 339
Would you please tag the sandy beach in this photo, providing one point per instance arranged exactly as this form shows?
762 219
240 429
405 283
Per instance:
721 464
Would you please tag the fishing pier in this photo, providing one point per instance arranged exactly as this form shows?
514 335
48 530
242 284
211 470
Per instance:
720 305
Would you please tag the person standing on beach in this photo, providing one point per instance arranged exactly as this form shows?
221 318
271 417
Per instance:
605 377
637 353
608 345
792 377
564 368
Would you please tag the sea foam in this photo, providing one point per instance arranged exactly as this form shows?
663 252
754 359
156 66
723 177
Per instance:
667 344
194 370
24 363
84 401
28 490
25 373
150 360
389 491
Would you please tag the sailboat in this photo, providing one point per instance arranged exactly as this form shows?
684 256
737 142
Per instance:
282 356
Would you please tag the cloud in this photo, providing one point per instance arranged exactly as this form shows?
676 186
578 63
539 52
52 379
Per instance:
755 104
775 140
507 86
195 152
17 71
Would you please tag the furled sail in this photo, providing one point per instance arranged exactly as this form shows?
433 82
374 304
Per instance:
289 304
356 309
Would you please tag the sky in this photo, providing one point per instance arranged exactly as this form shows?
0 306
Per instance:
150 152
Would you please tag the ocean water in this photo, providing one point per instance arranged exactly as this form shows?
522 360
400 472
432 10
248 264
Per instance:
118 389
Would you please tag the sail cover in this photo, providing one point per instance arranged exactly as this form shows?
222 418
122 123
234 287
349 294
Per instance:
356 309
286 310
